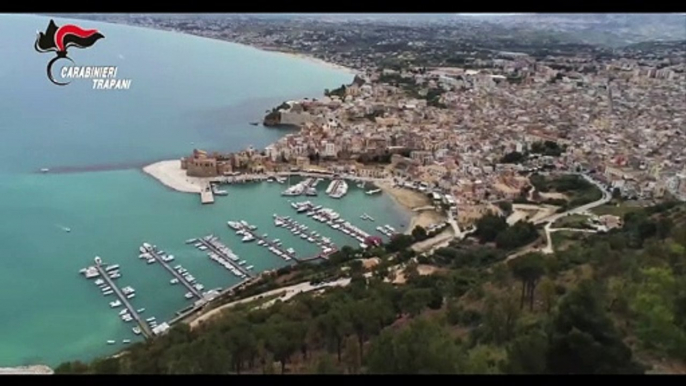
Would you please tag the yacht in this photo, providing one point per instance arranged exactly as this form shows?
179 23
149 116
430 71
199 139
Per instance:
189 295
115 304
110 342
234 225
248 238
250 267
131 296
136 330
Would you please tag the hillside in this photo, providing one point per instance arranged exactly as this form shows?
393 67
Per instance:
610 303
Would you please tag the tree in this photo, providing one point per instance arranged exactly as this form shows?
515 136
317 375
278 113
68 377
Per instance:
506 207
583 339
419 233
528 268
484 360
616 194
420 348
325 365
527 354
335 327
488 227
654 306
548 294
415 300
500 318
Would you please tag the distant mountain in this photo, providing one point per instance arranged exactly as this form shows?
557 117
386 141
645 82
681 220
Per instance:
614 29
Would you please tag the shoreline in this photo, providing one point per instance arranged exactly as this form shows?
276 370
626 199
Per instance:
409 200
170 174
298 55
27 370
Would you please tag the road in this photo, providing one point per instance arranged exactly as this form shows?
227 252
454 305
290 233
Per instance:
602 201
550 220
285 292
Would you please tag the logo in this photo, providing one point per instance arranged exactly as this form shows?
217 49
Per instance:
59 39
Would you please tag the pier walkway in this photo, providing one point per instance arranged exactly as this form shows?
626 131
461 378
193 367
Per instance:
206 196
177 275
224 257
268 244
122 298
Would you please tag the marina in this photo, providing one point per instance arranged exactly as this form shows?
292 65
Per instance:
224 256
302 231
122 295
182 277
244 229
333 220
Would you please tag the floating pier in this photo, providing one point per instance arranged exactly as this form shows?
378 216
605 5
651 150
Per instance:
268 244
122 298
337 223
155 254
211 247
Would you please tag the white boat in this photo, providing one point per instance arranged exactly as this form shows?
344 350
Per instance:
191 241
112 267
173 281
110 342
125 341
373 191
123 312
107 293
150 319
247 238
142 250
189 295
115 304
136 330
99 282
250 267
44 170
202 248
151 260
131 296
140 310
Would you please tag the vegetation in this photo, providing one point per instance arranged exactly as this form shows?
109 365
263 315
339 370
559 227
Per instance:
607 304
579 191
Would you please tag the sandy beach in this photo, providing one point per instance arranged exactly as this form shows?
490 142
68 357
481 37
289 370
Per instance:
308 58
171 175
410 200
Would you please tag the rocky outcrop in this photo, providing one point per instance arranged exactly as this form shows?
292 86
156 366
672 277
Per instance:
272 119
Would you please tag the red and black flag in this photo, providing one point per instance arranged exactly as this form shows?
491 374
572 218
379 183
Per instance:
58 39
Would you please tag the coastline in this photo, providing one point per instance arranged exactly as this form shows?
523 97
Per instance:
170 174
409 200
27 370
299 55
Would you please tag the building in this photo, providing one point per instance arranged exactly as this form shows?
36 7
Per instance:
200 164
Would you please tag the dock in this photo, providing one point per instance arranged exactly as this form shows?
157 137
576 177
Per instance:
153 252
268 244
207 197
352 231
141 323
210 246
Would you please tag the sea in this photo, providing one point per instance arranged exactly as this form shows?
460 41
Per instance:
186 92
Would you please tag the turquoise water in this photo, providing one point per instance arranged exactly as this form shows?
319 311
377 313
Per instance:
185 90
